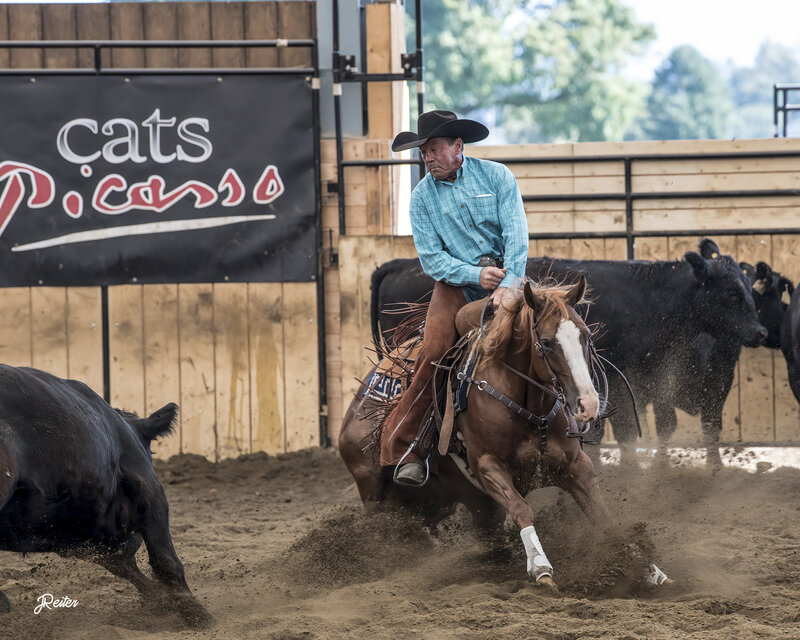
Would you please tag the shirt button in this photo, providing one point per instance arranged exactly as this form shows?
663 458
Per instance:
462 206
456 187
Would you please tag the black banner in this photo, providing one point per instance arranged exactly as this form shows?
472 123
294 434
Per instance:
147 179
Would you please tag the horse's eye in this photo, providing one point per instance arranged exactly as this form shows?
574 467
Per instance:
547 343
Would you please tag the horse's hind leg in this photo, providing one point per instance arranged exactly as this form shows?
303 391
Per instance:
495 478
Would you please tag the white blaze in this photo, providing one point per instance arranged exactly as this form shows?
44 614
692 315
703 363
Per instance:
568 337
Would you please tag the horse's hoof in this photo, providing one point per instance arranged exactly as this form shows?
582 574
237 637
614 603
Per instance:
655 577
545 583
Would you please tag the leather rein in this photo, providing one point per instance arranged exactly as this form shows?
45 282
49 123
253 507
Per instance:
559 401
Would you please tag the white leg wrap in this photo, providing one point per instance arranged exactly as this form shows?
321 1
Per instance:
538 564
655 577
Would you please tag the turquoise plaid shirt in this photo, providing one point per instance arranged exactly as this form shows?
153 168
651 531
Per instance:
480 214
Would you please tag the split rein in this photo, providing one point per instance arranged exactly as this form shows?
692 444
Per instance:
559 401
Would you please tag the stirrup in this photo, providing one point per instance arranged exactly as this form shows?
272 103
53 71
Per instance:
400 464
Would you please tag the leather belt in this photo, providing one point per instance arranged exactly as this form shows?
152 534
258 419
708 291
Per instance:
488 261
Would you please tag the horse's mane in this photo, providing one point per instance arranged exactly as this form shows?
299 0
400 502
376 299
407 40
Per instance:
504 329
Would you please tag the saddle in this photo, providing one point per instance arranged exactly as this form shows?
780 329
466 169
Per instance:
393 373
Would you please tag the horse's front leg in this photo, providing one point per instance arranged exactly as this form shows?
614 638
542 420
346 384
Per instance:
495 477
580 482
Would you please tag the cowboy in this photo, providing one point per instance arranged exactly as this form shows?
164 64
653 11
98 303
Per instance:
471 236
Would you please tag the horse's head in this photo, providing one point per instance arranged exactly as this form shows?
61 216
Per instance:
561 345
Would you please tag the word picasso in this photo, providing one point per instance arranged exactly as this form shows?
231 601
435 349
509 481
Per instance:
76 143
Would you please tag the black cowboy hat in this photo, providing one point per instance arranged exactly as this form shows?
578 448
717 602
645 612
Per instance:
439 124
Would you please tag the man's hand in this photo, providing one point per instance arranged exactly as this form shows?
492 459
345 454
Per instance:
497 296
491 277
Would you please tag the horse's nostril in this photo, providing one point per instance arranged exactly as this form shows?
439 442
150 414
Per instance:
580 407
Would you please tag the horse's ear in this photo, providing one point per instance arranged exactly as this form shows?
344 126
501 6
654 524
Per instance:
532 300
577 292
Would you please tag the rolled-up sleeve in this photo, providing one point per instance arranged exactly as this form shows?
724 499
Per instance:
436 262
514 223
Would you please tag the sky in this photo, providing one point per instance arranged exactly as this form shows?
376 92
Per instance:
721 30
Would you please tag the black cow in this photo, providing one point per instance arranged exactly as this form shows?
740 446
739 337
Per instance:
790 342
657 318
76 478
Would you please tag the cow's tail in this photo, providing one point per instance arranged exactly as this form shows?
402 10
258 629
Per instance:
160 423
377 338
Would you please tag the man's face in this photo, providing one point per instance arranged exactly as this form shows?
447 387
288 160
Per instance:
442 156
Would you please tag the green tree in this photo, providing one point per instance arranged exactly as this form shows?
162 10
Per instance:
689 99
548 70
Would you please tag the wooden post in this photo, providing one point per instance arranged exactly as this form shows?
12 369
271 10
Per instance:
387 108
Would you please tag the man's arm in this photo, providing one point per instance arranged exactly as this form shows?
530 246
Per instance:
515 227
436 262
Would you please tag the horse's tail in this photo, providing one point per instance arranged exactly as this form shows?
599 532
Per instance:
375 284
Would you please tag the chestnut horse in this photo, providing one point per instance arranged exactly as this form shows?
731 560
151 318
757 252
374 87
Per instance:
536 353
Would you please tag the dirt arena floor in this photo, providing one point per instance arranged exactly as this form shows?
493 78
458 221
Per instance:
279 548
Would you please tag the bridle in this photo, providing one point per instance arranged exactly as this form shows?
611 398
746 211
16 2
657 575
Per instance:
598 373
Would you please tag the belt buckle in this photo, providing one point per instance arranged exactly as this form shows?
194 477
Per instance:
486 261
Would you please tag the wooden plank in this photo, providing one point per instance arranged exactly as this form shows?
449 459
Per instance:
161 357
714 166
301 365
59 23
93 23
4 53
198 384
785 260
161 23
384 48
651 249
679 245
49 329
731 412
232 369
554 248
15 327
733 216
261 23
587 249
295 21
616 249
126 348
194 23
227 23
25 23
85 336
756 381
127 23
267 376
715 182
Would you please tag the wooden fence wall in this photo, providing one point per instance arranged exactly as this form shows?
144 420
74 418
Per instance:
761 407
240 359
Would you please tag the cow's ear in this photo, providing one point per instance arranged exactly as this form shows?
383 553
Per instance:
577 292
532 300
763 272
709 249
749 270
699 264
784 284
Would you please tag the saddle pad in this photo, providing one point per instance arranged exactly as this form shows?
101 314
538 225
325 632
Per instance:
391 376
